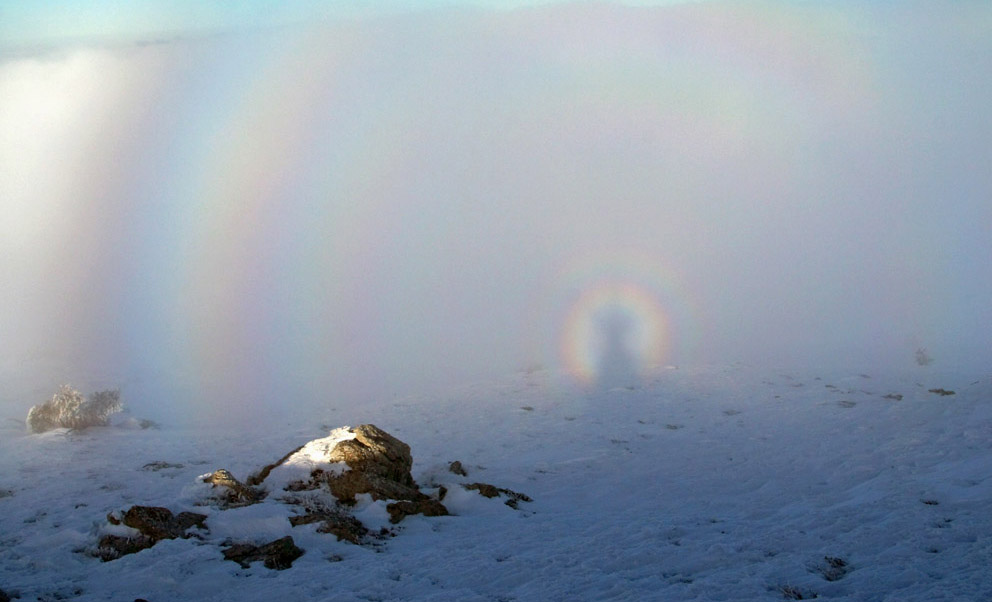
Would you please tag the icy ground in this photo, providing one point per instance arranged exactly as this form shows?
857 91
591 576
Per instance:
709 484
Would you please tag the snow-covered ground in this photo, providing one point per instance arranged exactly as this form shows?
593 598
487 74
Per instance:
726 483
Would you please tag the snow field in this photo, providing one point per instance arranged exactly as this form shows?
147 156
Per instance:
722 483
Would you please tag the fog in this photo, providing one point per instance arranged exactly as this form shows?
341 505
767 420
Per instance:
261 221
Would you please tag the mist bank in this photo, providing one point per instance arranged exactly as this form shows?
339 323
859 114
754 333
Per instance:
363 209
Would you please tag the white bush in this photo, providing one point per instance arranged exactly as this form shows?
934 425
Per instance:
68 409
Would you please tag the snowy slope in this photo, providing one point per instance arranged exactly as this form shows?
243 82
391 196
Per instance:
723 483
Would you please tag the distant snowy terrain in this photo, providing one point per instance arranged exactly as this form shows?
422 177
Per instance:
709 484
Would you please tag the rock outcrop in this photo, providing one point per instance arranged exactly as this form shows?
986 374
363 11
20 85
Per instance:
321 481
378 464
364 460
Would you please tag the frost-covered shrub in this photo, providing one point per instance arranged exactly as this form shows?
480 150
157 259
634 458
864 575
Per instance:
68 409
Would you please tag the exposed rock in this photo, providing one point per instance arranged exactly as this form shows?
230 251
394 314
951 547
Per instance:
321 478
426 506
4 597
278 554
346 486
490 491
484 489
159 523
376 452
234 493
153 523
345 526
112 547
333 519
377 464
941 392
790 592
160 465
351 461
832 568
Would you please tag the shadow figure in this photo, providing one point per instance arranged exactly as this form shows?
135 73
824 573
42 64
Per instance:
616 364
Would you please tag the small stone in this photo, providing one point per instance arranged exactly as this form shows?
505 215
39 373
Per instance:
491 491
112 547
277 555
345 526
237 493
457 468
160 465
484 489
426 506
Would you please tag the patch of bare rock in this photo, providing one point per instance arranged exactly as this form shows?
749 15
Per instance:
278 554
321 481
490 491
153 525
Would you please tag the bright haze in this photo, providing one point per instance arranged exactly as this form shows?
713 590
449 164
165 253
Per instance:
239 219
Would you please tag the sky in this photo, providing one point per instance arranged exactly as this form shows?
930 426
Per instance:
54 22
235 216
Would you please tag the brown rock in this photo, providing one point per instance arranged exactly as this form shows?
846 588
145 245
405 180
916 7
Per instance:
278 554
426 506
490 491
344 525
374 451
159 523
234 492
112 547
346 486
378 464
484 489
457 468
153 523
